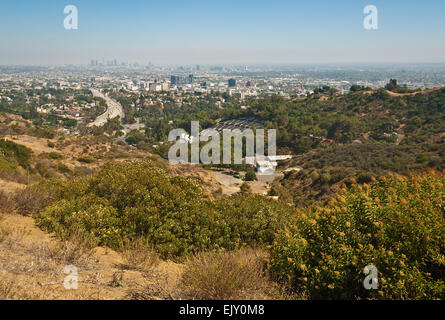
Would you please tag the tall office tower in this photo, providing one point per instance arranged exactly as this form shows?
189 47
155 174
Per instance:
174 80
191 77
165 86
198 67
232 83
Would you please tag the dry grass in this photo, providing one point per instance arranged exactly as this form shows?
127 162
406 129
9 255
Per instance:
228 275
47 257
140 257
9 290
117 280
5 232
76 250
11 236
157 286
6 203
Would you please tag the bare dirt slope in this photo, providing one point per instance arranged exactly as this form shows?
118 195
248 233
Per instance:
32 267
37 145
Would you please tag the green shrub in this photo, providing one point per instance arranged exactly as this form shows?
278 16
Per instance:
127 201
245 188
253 219
422 158
86 159
55 156
63 168
82 171
250 176
6 203
396 223
277 190
138 256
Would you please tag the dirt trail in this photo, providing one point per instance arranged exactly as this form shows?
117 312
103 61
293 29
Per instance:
395 94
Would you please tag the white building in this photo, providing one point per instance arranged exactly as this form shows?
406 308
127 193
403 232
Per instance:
266 164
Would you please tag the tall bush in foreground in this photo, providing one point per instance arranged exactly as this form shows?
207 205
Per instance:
128 201
395 223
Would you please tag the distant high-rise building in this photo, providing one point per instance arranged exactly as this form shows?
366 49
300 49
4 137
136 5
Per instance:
174 80
155 87
198 67
205 84
232 83
191 77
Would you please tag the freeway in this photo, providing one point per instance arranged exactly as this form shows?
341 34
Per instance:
114 110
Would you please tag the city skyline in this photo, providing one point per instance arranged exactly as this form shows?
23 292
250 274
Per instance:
198 32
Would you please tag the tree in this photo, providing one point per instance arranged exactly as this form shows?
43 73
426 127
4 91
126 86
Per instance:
392 85
250 176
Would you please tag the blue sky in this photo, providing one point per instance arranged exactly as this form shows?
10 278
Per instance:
221 32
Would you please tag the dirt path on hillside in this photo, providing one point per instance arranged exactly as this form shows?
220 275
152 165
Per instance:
231 185
395 94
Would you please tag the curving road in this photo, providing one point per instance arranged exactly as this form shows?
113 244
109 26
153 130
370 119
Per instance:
114 110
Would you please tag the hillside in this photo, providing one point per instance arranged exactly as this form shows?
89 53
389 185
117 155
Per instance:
138 227
371 134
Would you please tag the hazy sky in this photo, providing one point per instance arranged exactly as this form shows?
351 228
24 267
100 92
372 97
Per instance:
221 32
